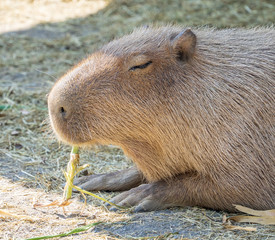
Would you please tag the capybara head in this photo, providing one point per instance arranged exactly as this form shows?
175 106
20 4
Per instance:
118 91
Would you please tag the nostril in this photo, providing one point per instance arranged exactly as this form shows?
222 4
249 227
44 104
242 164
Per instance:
62 111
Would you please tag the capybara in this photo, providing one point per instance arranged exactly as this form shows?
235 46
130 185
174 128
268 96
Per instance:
194 110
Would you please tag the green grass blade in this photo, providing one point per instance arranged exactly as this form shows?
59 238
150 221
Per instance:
75 150
4 107
98 197
71 172
76 230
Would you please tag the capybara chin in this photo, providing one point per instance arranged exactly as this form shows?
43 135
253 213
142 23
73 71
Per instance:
194 110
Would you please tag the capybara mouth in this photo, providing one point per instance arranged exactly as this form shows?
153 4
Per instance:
68 132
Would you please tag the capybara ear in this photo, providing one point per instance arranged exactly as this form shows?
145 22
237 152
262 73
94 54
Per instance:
184 44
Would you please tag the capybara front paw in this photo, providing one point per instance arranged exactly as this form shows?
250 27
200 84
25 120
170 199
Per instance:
91 183
145 197
114 181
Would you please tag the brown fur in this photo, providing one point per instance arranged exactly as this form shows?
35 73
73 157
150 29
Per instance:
200 116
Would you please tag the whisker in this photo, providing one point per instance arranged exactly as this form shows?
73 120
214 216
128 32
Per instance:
53 77
88 130
82 132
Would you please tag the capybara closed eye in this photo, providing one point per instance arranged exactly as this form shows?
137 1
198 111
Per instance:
194 110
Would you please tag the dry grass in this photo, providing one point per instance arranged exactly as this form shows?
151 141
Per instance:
46 221
62 33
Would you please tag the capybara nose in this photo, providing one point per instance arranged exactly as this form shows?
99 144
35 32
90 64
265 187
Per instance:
59 110
63 112
60 105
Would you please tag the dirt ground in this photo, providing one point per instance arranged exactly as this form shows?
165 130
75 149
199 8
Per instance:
39 41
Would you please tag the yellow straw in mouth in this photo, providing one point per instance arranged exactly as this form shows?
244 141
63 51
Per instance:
72 170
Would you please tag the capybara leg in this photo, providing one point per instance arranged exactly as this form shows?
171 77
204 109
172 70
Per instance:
146 197
115 181
188 191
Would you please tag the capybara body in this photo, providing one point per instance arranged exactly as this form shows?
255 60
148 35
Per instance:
193 109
